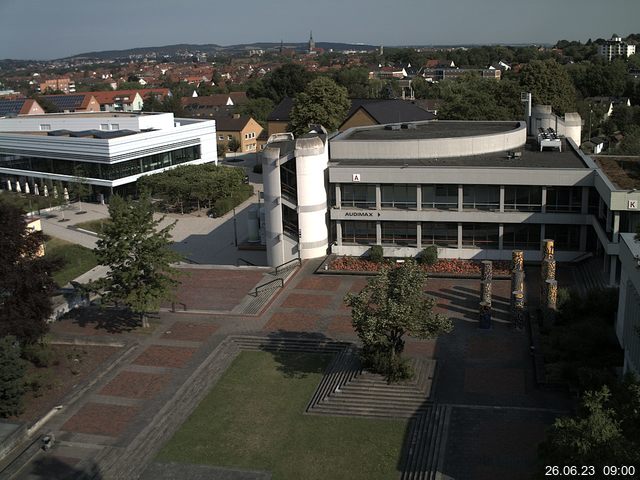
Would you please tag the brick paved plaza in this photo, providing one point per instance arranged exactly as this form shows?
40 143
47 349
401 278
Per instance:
484 376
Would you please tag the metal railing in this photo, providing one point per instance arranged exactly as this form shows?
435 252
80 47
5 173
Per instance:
280 267
173 306
247 262
256 290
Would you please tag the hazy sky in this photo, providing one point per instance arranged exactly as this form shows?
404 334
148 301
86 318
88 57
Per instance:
45 29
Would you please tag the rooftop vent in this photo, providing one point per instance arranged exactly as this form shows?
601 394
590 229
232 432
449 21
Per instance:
392 127
409 126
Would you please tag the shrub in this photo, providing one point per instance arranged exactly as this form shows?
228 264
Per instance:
376 254
226 204
39 354
429 255
12 370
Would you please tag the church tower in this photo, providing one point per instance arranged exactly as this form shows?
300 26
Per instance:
312 43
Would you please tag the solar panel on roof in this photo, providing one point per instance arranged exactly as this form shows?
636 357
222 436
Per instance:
66 102
10 107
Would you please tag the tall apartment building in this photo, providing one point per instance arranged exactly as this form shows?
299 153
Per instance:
615 47
65 85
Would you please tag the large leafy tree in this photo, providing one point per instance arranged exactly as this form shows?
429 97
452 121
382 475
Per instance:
285 81
137 253
26 284
606 430
392 305
549 84
323 102
12 370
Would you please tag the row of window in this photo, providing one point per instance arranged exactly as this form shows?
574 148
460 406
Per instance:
474 197
477 235
105 171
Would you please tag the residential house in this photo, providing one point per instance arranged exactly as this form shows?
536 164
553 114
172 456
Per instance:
20 106
127 100
615 48
212 105
367 112
241 127
278 119
77 102
65 85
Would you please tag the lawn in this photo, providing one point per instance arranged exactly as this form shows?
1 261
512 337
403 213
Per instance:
253 419
76 259
94 225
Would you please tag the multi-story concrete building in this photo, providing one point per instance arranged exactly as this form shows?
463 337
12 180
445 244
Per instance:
65 85
615 47
628 321
112 150
473 189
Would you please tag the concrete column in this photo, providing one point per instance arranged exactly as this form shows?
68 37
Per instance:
339 232
585 201
613 270
501 199
544 202
460 197
583 238
615 231
500 236
338 196
609 221
418 197
459 236
378 233
419 234
378 198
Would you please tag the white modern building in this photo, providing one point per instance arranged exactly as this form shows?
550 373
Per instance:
628 321
474 189
111 150
615 47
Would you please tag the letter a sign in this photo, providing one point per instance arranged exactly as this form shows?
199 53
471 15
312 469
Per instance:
355 177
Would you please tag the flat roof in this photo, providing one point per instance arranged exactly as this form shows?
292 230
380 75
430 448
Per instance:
624 172
431 129
531 157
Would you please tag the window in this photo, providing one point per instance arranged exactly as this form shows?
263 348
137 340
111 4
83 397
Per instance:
399 196
564 199
229 137
522 198
360 233
104 126
521 236
290 222
358 196
115 126
45 126
481 197
441 234
288 180
220 137
440 197
399 233
566 237
480 235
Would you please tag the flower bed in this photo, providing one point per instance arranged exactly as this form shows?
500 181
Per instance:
443 266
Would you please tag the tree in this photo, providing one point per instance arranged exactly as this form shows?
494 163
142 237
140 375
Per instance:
138 256
392 305
233 145
355 80
12 370
630 144
26 284
286 81
549 84
604 432
323 102
257 108
80 184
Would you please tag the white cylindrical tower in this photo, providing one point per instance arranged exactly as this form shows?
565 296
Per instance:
311 162
273 205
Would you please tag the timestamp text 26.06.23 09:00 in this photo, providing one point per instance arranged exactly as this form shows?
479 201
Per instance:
620 471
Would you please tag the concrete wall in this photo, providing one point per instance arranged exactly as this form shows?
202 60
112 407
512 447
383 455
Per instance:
628 319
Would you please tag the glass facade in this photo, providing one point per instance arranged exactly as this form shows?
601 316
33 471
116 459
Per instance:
566 237
399 233
480 235
522 198
289 180
399 196
290 222
440 197
524 236
481 197
564 199
104 171
359 233
441 234
358 196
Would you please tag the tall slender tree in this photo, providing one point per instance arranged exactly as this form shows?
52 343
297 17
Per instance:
139 258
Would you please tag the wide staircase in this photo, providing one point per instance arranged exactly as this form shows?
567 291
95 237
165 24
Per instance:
271 282
589 275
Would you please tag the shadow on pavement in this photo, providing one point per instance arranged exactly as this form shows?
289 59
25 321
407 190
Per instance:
53 468
108 319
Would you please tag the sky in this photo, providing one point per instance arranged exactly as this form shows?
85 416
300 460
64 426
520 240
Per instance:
45 29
